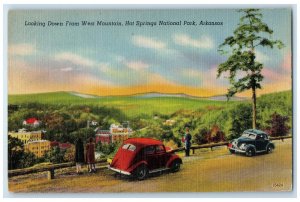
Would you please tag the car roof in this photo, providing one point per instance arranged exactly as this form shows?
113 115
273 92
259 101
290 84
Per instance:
255 131
142 141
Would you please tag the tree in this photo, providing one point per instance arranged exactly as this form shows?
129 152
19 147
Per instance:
28 159
55 155
17 157
242 65
69 154
15 152
241 120
277 125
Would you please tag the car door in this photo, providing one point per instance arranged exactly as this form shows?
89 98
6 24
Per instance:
150 157
260 142
161 156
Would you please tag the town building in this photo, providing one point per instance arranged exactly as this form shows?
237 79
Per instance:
26 136
38 147
62 146
34 122
116 133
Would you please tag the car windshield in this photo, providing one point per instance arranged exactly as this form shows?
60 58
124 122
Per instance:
129 147
249 135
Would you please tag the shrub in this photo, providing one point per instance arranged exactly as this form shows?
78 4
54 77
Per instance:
202 137
277 125
216 135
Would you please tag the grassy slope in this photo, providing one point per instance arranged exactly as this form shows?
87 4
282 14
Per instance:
132 106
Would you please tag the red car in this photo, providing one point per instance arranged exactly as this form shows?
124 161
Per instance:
140 156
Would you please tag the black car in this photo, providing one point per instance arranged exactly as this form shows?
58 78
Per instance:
251 142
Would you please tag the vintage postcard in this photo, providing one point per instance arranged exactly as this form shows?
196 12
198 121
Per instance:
149 100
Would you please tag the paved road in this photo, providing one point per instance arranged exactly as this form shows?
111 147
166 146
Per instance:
206 171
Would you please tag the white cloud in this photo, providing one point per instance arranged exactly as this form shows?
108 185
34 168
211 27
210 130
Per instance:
192 73
185 40
104 67
66 69
22 49
136 65
147 42
120 58
74 59
261 57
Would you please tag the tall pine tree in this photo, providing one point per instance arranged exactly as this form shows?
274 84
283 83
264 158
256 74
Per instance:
250 33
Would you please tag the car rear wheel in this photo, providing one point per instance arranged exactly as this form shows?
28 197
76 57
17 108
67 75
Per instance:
269 149
175 166
141 172
250 152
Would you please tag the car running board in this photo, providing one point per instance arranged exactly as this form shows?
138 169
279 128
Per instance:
158 170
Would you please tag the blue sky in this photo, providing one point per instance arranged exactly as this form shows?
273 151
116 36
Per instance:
114 60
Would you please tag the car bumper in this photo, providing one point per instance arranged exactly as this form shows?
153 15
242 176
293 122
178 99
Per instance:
119 171
237 150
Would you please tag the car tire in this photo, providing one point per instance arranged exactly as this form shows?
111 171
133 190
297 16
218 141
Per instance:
231 151
141 172
269 149
250 152
175 167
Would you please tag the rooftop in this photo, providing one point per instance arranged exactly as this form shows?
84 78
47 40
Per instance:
31 120
255 131
143 141
34 141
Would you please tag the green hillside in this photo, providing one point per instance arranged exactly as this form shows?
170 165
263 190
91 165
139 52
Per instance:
204 112
65 116
130 105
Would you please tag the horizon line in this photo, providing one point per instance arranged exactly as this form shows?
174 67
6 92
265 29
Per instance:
135 94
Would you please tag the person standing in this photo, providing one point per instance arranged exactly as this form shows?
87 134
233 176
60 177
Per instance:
90 155
187 141
79 155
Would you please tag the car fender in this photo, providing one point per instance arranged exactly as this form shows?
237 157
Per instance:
272 144
173 158
248 146
133 167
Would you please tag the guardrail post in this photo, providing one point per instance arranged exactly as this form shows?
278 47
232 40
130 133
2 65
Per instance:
193 151
211 148
50 174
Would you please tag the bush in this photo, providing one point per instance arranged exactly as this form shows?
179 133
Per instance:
277 125
55 155
205 136
28 160
216 135
202 136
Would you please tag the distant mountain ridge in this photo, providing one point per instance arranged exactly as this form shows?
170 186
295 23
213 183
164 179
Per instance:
83 95
224 98
158 94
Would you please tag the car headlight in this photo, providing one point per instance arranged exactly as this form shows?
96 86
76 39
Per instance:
243 146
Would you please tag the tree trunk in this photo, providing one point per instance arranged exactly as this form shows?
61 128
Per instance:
253 107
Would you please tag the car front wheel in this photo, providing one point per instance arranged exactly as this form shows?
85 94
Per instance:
250 152
231 151
141 172
269 149
175 166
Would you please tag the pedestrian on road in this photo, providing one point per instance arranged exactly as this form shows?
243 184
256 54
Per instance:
79 155
90 155
187 141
